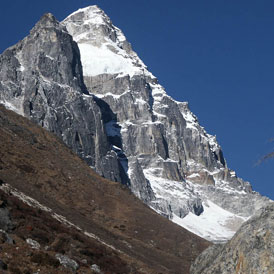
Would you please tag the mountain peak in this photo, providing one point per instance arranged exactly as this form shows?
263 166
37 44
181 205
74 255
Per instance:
49 16
103 46
89 15
47 20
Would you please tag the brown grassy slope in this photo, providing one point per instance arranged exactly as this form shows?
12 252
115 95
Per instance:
54 238
40 165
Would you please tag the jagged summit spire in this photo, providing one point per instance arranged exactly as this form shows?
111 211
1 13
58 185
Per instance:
89 15
90 23
49 16
47 20
103 43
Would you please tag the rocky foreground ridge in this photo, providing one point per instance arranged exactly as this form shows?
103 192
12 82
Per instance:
81 80
249 251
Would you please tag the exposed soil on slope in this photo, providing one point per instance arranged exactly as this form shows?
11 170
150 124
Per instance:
37 163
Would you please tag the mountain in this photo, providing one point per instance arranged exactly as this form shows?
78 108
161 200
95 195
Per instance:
172 163
249 251
52 204
82 81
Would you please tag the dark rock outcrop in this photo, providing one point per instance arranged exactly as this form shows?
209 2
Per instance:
5 221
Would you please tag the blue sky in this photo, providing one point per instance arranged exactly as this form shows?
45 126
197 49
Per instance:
217 55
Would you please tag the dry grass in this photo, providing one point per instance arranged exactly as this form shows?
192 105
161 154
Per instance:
37 163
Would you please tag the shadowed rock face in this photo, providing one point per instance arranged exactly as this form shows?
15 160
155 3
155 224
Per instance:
251 250
41 78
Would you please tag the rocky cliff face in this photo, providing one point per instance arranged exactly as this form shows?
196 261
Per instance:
41 78
120 120
249 251
171 162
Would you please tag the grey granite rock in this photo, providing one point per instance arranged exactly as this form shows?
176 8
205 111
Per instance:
5 221
41 78
251 250
67 262
95 268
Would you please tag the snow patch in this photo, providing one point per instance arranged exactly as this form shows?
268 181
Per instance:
214 224
101 45
100 60
22 68
173 190
51 58
115 96
193 175
213 142
91 15
191 120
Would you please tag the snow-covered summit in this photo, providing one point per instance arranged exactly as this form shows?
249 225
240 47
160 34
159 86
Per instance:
104 48
92 13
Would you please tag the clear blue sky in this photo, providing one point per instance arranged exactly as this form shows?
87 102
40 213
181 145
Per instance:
217 55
